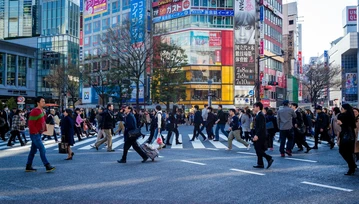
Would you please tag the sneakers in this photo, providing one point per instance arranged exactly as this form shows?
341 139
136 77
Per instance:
205 139
49 168
29 168
289 153
228 149
282 155
249 146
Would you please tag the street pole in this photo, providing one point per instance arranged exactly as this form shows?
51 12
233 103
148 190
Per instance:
209 93
257 84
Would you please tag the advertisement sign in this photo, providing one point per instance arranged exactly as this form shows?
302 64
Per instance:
86 95
137 19
352 15
215 39
300 62
261 48
171 16
212 12
94 7
20 100
300 94
81 38
351 83
175 6
81 5
133 94
326 58
244 49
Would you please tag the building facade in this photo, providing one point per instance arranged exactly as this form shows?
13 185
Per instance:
18 18
17 71
58 43
293 67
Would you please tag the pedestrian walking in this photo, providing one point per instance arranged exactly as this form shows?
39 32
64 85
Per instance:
108 121
260 137
197 123
173 126
37 126
346 120
272 127
211 120
321 128
159 125
130 124
221 123
67 132
285 122
15 129
78 121
356 149
234 131
100 133
204 117
246 121
50 126
300 128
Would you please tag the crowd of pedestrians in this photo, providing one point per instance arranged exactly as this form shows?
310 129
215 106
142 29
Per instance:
257 127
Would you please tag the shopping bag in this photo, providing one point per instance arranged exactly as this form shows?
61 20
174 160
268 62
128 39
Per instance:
63 147
159 141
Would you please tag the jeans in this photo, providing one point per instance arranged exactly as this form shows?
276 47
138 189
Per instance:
37 144
220 126
284 135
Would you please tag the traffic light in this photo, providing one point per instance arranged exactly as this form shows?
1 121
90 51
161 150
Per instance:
273 83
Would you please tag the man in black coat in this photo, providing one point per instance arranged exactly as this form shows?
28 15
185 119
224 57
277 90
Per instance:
260 136
131 124
197 121
321 127
299 129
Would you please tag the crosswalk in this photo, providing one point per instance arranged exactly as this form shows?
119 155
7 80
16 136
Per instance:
118 142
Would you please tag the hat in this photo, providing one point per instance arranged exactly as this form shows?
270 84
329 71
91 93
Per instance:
318 107
285 102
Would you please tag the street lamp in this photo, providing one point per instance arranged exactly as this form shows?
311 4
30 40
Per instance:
209 93
257 84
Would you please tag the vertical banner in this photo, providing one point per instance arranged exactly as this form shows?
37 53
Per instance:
244 49
300 62
137 20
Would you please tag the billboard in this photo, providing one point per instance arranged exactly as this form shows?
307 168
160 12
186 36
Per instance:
94 7
351 83
173 7
244 48
300 62
352 15
137 19
86 95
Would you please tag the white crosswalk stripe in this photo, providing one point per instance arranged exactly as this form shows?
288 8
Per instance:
197 144
174 145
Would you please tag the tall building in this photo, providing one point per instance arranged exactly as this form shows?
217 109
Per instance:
112 13
16 18
204 29
292 45
59 41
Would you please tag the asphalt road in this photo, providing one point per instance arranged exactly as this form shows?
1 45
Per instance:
191 174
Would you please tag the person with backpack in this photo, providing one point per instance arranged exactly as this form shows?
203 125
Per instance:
221 123
300 123
158 125
197 123
272 127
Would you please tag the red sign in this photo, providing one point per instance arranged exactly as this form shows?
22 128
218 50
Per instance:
162 2
261 51
20 99
215 39
265 102
81 38
352 14
186 4
300 62
218 56
170 8
300 89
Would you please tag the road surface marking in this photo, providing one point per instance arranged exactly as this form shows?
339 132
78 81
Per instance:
191 162
174 145
304 160
247 153
326 186
214 149
197 144
248 172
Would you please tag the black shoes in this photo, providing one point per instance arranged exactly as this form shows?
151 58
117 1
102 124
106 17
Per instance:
121 161
177 143
289 153
332 144
300 149
215 140
144 160
259 167
308 149
350 172
270 162
112 150
49 168
169 144
29 168
315 147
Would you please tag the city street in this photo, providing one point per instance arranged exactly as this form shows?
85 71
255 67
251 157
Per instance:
198 172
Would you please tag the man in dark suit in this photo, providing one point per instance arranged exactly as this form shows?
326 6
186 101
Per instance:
260 136
131 124
299 129
197 121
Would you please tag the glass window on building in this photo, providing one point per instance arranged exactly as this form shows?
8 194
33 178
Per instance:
202 94
106 24
108 10
11 69
195 2
97 26
88 40
116 6
21 76
88 28
2 68
125 17
125 4
203 3
114 21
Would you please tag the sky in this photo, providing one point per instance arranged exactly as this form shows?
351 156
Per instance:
322 24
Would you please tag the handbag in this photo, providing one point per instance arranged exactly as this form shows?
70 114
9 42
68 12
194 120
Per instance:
63 145
269 125
134 134
347 137
302 129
